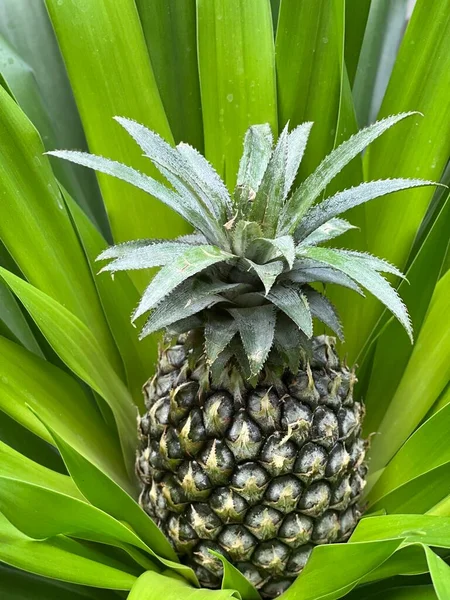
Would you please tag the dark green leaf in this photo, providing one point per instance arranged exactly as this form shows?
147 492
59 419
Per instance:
294 304
191 262
257 329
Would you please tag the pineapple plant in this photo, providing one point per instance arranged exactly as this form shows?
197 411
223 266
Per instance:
251 445
95 507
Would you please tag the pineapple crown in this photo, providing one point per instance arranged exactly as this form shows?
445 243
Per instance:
246 277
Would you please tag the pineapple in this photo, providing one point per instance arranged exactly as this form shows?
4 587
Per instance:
251 445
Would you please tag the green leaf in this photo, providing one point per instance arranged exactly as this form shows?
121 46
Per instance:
256 339
393 350
343 201
356 14
237 76
425 450
118 299
425 377
419 147
423 529
187 300
22 440
408 560
183 205
307 270
218 334
328 231
384 30
170 33
106 495
208 179
15 465
253 164
294 304
153 586
270 195
309 86
297 140
13 324
45 96
191 262
142 254
263 250
333 570
321 308
34 216
440 574
233 579
418 495
288 341
310 189
78 348
268 273
29 381
172 165
18 585
63 559
361 272
107 61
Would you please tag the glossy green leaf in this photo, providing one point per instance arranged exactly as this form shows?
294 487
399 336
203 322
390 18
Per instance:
233 579
153 586
425 450
309 86
237 76
426 375
425 529
410 592
392 349
34 216
170 33
42 90
29 381
104 50
332 571
419 147
356 14
104 493
408 560
13 324
63 559
383 33
440 574
118 298
30 445
79 349
15 465
418 495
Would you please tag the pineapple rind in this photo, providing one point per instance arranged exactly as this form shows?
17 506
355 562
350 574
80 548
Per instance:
261 477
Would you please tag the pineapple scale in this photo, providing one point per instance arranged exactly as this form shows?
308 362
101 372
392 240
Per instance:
261 481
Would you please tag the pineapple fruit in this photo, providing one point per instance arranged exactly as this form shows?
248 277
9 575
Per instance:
251 445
